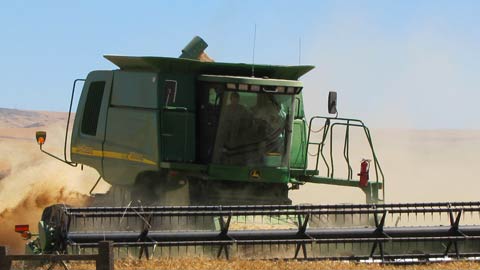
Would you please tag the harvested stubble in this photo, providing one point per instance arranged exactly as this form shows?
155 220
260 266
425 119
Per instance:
209 264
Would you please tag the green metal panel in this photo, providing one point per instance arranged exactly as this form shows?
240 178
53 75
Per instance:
299 144
131 144
299 112
178 135
85 148
135 89
244 173
178 65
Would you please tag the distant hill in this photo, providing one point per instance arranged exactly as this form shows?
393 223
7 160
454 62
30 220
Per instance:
13 118
22 124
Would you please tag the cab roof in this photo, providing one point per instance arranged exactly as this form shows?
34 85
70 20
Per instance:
181 65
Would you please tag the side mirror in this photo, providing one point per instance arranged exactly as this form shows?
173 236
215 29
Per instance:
41 137
332 102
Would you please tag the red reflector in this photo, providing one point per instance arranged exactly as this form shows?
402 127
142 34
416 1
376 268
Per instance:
26 235
21 228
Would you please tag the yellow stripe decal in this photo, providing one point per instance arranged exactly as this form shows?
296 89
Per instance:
89 151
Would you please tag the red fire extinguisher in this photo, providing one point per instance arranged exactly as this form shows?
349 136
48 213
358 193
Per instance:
364 168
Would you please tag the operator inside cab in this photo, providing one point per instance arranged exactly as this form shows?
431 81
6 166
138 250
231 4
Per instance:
251 130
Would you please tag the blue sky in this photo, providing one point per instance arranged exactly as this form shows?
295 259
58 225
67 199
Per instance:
408 64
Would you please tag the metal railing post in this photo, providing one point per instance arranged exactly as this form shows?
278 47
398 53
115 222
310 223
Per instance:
5 263
105 256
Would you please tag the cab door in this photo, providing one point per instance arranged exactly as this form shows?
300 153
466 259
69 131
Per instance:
177 122
90 120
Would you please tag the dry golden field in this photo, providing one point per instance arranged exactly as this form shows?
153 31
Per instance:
204 264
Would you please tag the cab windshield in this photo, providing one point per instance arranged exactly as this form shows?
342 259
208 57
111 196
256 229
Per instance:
252 129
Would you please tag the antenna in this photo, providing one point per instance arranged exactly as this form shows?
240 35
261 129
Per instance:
299 50
253 53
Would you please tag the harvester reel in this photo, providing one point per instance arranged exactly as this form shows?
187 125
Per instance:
55 222
169 228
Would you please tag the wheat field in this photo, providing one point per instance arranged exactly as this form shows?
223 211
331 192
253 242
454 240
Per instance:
209 264
204 264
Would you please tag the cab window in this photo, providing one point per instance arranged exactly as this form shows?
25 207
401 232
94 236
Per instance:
92 108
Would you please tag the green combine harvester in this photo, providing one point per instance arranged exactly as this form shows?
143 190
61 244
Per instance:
201 157
180 131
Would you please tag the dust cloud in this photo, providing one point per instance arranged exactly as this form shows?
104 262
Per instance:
30 180
29 209
4 169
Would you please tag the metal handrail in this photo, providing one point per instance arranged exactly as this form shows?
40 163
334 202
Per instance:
68 122
328 127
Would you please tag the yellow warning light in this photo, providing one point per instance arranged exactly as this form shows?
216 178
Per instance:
41 137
